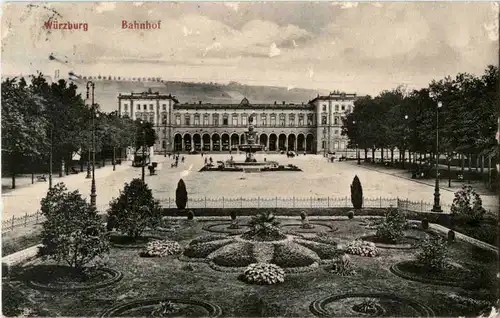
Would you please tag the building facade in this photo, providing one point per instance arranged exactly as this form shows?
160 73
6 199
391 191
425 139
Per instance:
311 127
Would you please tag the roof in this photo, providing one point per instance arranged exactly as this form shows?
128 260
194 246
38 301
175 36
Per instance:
240 106
338 96
148 95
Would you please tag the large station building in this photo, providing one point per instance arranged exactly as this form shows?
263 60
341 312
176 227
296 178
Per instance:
311 127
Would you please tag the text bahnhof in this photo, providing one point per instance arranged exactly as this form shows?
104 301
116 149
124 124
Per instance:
125 24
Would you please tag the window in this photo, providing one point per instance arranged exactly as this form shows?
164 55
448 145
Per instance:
215 118
282 120
301 120
324 108
291 120
309 120
145 107
324 144
125 107
151 107
273 120
235 119
244 119
225 120
335 120
164 106
151 119
187 120
323 120
196 120
206 121
138 106
336 132
164 120
343 107
178 120
263 120
337 108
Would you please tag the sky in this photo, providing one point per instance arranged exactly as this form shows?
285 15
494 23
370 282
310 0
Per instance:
354 47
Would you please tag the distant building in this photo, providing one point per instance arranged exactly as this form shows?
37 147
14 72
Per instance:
312 127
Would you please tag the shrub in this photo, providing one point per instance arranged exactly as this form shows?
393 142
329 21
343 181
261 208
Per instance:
165 309
233 215
163 248
303 215
350 215
362 248
235 255
190 215
467 206
343 266
356 193
291 255
392 228
202 250
135 209
72 232
425 224
264 227
433 253
324 251
181 196
263 274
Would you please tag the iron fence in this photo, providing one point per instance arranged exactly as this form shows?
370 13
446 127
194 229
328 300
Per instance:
257 202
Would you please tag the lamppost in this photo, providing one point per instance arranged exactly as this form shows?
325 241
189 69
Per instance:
50 156
437 205
143 150
357 146
93 194
403 158
324 142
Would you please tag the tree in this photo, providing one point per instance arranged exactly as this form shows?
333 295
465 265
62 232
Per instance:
181 196
23 128
467 206
73 231
356 193
135 209
145 135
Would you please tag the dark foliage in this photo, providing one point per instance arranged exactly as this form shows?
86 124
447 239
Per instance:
181 196
356 193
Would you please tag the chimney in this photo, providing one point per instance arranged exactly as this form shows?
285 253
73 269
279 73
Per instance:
283 102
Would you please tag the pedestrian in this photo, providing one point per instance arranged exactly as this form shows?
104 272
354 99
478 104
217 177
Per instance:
182 160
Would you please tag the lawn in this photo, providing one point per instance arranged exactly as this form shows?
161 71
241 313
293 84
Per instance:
173 278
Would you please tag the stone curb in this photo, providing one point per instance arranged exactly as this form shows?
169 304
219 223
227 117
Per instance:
463 237
19 257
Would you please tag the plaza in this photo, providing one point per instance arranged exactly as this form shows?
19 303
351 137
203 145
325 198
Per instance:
318 179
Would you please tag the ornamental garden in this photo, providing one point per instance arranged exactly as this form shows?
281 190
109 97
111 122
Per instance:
143 260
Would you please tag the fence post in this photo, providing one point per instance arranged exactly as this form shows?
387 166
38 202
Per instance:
276 199
37 213
205 202
346 202
421 206
241 202
169 202
380 199
328 201
25 219
293 204
258 202
223 202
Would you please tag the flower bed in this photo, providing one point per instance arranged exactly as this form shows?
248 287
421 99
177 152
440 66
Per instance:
263 274
207 238
407 242
226 228
124 241
161 248
451 275
324 251
291 254
362 248
239 254
63 278
202 250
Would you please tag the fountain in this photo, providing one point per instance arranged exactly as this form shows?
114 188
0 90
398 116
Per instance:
250 164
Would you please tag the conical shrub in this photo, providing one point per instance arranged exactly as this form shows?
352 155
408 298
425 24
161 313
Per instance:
356 193
181 196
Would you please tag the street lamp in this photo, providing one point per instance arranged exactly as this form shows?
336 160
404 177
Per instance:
357 146
324 142
50 156
143 150
93 194
437 205
403 159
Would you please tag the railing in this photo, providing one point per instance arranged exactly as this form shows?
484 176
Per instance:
256 202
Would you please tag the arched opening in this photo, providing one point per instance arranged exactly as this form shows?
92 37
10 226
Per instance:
291 142
164 144
225 142
206 142
301 142
263 140
282 142
187 142
235 141
197 142
242 139
216 142
272 142
177 142
310 143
